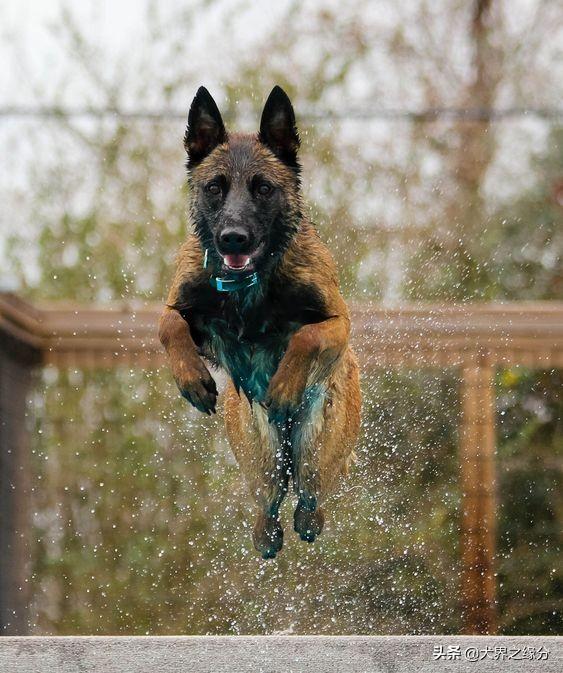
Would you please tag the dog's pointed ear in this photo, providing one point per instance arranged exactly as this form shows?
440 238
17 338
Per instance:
277 127
205 128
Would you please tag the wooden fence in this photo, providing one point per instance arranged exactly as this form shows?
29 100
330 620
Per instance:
473 339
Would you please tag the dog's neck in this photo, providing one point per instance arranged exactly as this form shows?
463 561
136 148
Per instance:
223 281
230 282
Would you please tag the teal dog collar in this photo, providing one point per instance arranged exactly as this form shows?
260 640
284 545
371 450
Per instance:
230 284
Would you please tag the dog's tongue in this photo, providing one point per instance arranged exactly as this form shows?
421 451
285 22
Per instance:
236 261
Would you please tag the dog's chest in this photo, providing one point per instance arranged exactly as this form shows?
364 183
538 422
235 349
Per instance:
247 333
248 345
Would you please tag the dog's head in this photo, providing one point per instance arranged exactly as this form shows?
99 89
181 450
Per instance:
244 189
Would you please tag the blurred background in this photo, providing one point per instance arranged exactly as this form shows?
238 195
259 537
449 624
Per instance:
433 168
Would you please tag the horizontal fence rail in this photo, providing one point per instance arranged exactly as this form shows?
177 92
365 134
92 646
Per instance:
282 654
417 335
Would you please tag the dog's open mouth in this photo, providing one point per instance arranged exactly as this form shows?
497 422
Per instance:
241 263
236 262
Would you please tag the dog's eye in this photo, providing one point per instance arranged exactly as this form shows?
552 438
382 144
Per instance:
213 188
264 189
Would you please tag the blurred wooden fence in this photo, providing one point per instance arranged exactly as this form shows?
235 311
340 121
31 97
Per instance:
473 339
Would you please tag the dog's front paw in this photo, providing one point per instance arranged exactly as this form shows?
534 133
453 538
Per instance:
284 395
196 385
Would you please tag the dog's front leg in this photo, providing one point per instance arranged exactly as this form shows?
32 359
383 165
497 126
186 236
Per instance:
190 373
311 355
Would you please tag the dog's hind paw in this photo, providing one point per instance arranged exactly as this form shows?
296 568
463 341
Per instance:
267 536
308 524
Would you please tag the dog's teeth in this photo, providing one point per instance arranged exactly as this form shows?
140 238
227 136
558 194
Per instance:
237 267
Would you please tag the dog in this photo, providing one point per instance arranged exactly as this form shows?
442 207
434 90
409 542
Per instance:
256 293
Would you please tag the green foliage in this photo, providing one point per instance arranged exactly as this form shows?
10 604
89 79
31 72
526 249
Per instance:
526 238
518 256
530 485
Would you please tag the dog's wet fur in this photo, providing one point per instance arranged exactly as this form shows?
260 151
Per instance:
292 404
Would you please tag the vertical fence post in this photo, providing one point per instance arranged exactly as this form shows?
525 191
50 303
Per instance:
15 379
478 515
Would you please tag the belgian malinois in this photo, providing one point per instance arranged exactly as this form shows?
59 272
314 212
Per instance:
256 293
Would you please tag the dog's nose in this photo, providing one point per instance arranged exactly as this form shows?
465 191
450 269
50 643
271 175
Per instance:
234 239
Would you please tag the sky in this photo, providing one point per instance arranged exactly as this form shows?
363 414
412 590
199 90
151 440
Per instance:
30 53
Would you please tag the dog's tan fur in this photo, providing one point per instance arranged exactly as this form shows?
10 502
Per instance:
317 353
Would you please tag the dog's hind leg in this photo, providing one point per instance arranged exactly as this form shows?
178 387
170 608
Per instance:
259 451
323 436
